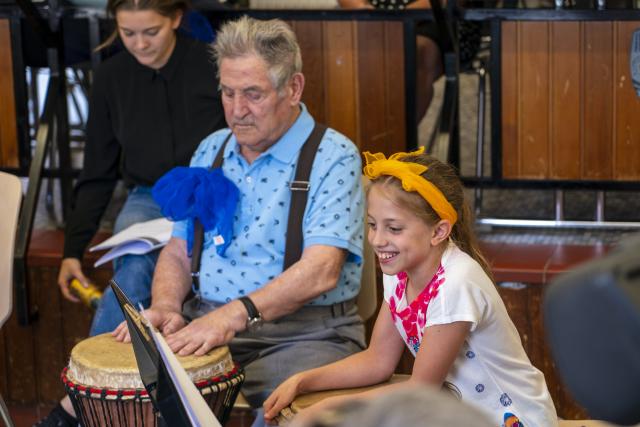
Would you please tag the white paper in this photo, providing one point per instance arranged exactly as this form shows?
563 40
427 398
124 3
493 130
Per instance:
137 239
198 411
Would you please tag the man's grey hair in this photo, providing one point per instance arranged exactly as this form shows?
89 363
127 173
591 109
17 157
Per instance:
272 40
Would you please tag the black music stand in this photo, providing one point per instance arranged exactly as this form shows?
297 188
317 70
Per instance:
53 129
153 372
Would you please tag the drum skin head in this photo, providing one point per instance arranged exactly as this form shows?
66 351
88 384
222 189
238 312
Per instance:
103 362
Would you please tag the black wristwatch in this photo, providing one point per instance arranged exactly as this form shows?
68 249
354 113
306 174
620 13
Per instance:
254 317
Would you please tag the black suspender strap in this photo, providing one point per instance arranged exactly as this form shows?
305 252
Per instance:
198 230
299 194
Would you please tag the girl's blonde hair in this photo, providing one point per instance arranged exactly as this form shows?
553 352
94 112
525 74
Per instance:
443 176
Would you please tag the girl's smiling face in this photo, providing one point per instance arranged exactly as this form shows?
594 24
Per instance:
401 240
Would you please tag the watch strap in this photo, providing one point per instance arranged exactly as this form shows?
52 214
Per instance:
252 310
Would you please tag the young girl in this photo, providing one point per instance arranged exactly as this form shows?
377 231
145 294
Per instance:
439 301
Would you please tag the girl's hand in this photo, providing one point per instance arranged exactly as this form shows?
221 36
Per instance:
281 398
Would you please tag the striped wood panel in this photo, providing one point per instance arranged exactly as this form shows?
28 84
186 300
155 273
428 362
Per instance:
8 127
569 111
355 79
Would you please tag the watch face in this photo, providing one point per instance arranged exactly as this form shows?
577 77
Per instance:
254 323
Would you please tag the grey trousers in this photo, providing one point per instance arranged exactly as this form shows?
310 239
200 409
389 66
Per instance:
311 337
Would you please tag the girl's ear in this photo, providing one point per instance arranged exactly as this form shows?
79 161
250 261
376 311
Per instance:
441 232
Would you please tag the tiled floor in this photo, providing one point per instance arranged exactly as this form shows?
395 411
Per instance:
26 416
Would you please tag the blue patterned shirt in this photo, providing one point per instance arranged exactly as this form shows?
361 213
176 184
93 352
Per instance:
333 215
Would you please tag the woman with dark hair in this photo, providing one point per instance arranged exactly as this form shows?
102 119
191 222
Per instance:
151 104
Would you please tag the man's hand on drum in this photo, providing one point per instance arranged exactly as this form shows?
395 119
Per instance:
281 397
212 330
167 321
70 269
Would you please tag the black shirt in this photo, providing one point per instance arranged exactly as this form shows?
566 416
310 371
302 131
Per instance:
142 123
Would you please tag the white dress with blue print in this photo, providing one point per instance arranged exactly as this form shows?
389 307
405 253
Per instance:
492 370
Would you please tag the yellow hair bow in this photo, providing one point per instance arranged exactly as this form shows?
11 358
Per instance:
410 174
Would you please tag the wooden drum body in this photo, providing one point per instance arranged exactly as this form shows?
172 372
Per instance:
104 384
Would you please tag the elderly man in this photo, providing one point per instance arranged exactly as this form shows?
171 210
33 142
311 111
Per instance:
307 311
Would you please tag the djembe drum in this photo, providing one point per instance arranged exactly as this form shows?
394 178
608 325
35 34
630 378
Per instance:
104 384
305 400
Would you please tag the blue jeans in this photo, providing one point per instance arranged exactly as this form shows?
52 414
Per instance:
133 273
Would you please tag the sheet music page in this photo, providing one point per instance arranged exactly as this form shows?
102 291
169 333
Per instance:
197 409
156 230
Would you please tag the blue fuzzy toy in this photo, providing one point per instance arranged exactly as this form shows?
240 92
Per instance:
186 193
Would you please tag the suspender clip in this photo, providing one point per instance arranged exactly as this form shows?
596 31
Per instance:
299 185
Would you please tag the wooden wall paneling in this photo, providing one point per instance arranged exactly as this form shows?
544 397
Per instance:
569 408
626 152
598 103
21 378
566 88
50 355
371 102
310 37
539 353
537 344
566 100
405 366
516 300
533 99
340 82
8 127
394 88
4 389
509 95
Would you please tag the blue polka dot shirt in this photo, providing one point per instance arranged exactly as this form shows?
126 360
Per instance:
333 215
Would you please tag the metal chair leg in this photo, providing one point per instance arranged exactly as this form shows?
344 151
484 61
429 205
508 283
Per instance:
4 412
480 137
